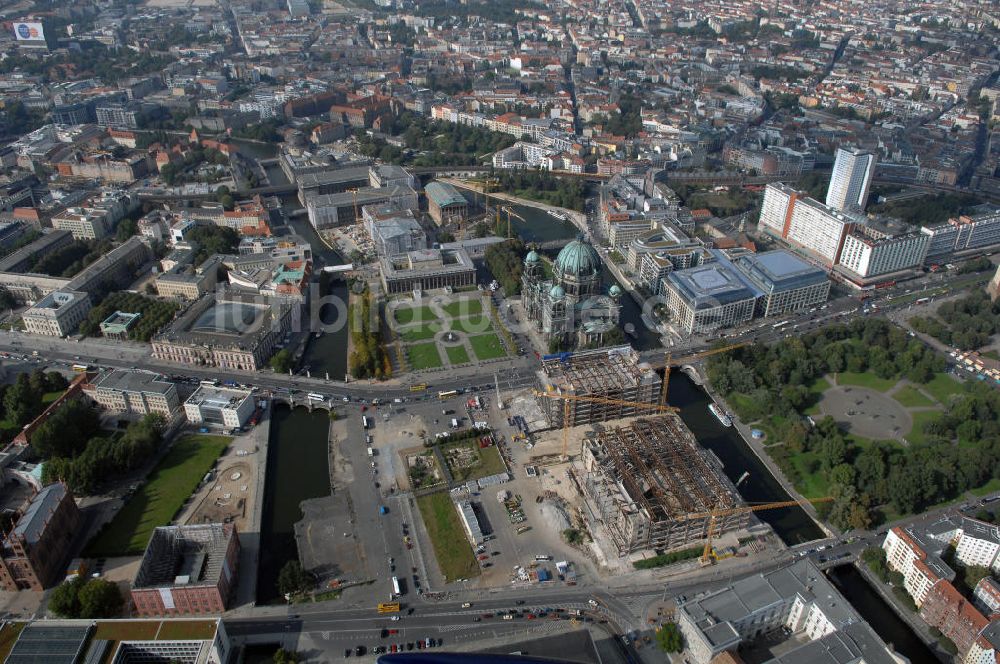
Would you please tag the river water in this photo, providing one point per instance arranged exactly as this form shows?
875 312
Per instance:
792 524
880 615
297 470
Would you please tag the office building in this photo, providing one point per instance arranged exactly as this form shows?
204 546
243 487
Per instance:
871 251
711 296
135 393
115 269
186 282
219 406
787 282
850 180
426 269
57 314
121 115
822 625
445 204
470 522
187 570
36 544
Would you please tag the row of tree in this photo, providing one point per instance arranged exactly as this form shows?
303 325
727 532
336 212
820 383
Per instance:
545 187
505 261
67 261
368 358
967 323
155 314
86 461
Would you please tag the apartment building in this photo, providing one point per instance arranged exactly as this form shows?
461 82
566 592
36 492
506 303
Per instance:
851 179
918 560
135 393
819 229
868 253
776 208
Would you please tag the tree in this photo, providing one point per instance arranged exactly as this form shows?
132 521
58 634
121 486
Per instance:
282 361
669 638
283 656
127 227
100 598
65 599
21 402
293 579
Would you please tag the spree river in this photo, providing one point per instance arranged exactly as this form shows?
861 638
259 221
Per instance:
297 470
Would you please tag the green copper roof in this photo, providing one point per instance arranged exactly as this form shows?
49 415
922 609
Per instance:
532 257
578 259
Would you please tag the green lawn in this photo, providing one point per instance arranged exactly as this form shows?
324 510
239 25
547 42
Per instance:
423 356
487 346
810 485
992 354
451 548
457 354
990 487
866 379
464 307
920 418
943 386
477 325
420 332
911 397
49 397
406 315
490 462
157 502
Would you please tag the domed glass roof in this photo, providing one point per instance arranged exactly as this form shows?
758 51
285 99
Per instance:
532 257
557 292
578 259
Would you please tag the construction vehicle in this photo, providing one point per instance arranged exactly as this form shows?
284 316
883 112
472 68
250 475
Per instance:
707 554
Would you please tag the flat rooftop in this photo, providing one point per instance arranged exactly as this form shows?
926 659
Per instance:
184 556
713 284
133 381
780 270
217 397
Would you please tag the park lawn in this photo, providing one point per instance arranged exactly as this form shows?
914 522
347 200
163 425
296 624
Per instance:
487 346
464 307
816 390
920 418
405 315
424 356
49 397
869 380
741 403
942 387
911 397
457 354
420 332
157 502
477 325
451 548
810 485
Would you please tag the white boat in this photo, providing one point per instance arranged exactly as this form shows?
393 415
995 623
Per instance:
721 415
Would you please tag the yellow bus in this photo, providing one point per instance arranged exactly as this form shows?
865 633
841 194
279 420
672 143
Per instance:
388 607
418 388
448 394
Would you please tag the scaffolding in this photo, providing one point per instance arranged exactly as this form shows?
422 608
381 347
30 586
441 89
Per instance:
653 487
614 373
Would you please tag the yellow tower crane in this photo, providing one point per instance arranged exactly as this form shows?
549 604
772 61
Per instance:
714 515
668 361
569 398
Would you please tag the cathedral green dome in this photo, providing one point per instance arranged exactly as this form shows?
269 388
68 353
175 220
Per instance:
557 292
532 257
578 260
